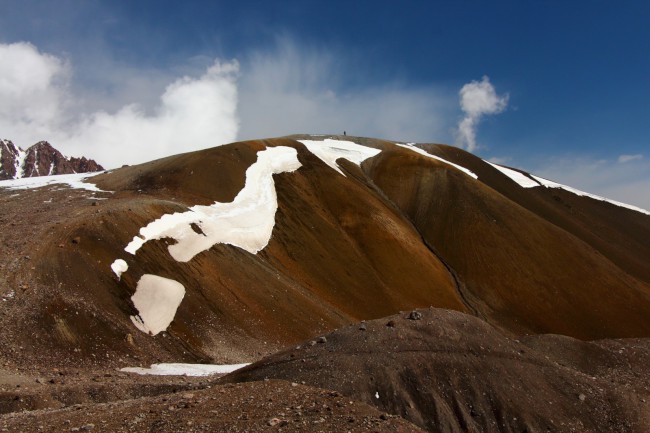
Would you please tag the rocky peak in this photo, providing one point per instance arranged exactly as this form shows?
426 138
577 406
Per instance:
9 155
41 159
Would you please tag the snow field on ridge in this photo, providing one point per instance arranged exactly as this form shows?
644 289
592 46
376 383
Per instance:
550 184
330 150
521 179
247 222
411 146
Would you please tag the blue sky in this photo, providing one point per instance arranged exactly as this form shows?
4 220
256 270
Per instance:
573 77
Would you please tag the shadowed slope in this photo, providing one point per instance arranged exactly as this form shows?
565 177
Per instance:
450 372
620 234
526 274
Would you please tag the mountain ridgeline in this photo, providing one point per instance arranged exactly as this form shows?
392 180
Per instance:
419 279
352 239
41 159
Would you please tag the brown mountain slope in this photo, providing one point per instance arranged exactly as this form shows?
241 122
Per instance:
621 235
524 273
401 231
339 253
450 372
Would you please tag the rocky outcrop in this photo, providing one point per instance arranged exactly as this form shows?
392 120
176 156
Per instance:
41 159
9 154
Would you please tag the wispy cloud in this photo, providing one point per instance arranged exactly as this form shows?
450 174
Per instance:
477 99
627 158
292 89
627 183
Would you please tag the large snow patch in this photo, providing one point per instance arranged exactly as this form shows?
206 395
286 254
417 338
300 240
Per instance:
157 300
247 222
178 369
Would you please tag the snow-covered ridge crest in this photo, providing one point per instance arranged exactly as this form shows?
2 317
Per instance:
550 184
330 150
520 178
411 146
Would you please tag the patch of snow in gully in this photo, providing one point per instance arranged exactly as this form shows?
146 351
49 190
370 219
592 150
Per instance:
177 369
119 266
520 178
411 146
157 300
20 161
550 184
75 181
247 222
330 150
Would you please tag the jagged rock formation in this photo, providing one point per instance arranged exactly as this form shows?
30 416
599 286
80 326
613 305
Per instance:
41 159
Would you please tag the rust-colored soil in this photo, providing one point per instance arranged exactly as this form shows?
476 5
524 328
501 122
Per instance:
401 232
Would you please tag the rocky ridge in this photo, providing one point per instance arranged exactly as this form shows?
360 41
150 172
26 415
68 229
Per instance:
41 159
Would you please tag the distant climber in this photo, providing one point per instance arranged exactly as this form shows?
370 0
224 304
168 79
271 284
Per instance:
344 133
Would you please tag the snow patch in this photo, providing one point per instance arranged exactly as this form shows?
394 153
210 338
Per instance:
247 222
20 162
330 150
412 147
157 300
550 184
177 369
119 266
75 181
520 178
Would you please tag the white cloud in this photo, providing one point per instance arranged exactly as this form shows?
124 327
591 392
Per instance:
627 183
627 158
290 90
33 91
477 99
125 115
192 113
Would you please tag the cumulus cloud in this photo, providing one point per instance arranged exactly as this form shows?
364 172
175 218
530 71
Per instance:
627 158
33 91
477 99
290 89
126 115
193 112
